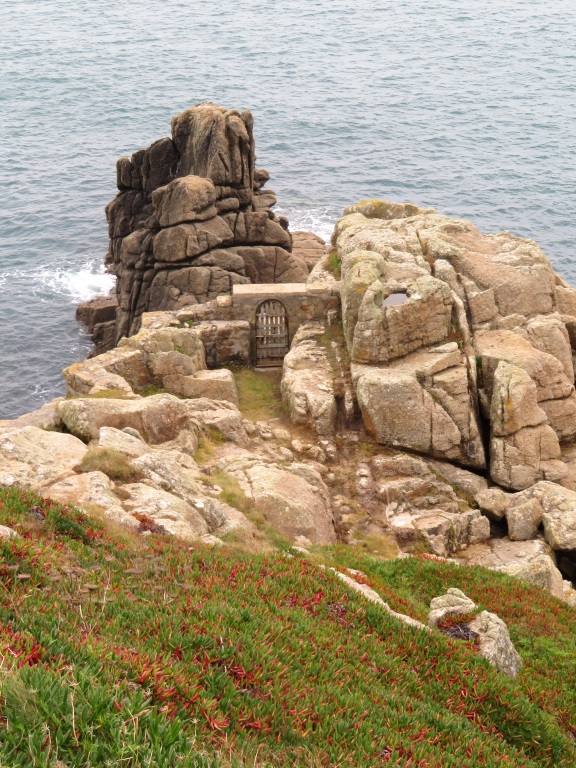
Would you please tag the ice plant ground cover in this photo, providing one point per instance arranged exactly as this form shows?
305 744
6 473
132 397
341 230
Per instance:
141 651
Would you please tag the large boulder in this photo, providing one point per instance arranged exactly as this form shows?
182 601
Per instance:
423 404
495 644
158 418
44 417
414 281
403 499
308 246
122 441
293 499
100 309
191 219
92 492
222 416
528 394
559 514
526 456
316 385
33 458
524 520
214 385
168 512
191 198
165 357
531 561
178 474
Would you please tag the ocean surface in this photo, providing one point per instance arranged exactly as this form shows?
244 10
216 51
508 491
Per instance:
468 106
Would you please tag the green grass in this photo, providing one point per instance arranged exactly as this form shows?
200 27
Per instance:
113 463
133 651
259 393
334 264
231 493
107 394
208 442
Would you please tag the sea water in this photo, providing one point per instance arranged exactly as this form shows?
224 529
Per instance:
467 106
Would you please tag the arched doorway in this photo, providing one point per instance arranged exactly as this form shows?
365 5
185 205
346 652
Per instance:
271 333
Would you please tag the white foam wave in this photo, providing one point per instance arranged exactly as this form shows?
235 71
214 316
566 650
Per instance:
75 283
79 285
318 220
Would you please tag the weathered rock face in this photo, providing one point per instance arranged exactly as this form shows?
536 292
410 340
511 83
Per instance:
406 500
33 458
99 317
449 331
308 246
158 419
292 498
94 493
44 417
171 358
495 644
191 219
531 561
424 403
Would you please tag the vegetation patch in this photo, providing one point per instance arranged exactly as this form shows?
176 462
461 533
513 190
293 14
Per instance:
381 546
107 394
457 625
113 463
231 492
211 438
333 264
142 651
259 393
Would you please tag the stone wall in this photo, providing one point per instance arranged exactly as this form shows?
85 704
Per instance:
303 303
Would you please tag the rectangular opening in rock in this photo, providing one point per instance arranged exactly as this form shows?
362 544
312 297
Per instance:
395 299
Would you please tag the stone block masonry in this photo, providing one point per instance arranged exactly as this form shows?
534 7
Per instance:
302 303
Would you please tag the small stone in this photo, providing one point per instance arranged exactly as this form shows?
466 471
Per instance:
454 601
493 502
133 433
523 520
495 644
8 533
249 427
284 454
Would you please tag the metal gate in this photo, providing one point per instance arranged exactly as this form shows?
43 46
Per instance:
271 334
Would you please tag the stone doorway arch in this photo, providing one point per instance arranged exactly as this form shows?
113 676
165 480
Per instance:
271 333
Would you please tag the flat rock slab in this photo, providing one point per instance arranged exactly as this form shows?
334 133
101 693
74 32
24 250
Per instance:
34 457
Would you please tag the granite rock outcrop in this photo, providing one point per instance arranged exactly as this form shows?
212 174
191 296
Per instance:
191 219
459 342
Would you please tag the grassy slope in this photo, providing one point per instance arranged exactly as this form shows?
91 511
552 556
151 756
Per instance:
259 393
142 651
